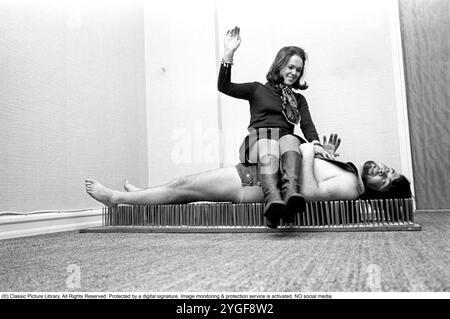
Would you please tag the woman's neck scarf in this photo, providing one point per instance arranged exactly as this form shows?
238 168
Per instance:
289 103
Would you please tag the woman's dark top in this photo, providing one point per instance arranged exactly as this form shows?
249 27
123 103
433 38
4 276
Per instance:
266 104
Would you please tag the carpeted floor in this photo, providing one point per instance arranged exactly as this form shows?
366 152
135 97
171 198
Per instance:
297 262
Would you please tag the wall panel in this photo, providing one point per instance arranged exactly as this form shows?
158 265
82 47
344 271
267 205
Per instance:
72 101
181 88
425 30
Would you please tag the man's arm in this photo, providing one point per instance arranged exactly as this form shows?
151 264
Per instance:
339 187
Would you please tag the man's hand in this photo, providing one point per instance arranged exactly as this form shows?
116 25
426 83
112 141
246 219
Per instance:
332 145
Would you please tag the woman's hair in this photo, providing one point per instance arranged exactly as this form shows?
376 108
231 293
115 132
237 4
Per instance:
274 77
400 188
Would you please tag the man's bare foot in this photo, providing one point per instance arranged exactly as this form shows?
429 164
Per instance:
101 193
130 187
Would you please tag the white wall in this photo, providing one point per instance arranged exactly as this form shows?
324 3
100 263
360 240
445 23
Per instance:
350 72
72 101
181 88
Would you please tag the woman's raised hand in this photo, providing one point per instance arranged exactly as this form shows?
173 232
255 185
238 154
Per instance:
232 41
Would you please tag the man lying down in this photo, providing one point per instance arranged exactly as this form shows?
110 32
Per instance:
320 180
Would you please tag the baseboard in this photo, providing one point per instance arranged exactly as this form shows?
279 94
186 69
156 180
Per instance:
424 211
23 225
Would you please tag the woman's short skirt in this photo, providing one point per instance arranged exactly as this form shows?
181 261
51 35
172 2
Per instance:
248 151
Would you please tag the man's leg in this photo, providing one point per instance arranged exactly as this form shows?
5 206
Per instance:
130 187
222 184
249 194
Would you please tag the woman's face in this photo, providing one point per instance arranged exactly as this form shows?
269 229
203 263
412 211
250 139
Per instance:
292 70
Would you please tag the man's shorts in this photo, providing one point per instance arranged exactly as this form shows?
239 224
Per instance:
248 174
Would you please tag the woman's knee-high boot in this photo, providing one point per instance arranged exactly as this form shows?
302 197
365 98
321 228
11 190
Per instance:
290 188
269 175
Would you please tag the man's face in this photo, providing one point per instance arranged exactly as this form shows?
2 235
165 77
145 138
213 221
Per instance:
292 70
379 176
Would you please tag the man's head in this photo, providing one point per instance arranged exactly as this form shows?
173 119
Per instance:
381 181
